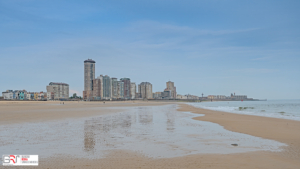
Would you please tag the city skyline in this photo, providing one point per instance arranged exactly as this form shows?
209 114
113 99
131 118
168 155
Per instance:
109 88
210 47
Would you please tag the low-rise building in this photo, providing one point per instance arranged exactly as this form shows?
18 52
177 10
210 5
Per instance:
220 97
167 94
29 96
41 96
192 97
238 97
60 90
179 96
21 95
36 96
16 95
210 96
157 95
216 97
8 95
50 95
45 95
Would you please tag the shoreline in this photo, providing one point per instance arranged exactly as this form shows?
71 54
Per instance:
238 109
283 130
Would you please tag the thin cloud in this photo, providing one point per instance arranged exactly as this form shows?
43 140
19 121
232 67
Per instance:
256 70
263 58
153 27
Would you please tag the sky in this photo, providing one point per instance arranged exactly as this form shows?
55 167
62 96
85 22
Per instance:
214 47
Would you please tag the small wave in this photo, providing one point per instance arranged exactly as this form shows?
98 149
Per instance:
282 112
258 110
244 108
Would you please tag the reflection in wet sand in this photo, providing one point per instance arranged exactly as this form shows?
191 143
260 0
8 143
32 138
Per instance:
170 121
157 131
89 139
145 116
162 131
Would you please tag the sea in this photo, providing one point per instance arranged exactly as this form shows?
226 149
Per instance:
285 109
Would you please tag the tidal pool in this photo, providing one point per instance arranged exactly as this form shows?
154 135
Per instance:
156 131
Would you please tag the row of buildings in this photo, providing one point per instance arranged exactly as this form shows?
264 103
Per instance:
110 88
187 97
168 93
55 91
231 97
23 95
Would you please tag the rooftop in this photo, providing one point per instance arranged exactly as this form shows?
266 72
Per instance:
145 83
125 78
89 61
56 83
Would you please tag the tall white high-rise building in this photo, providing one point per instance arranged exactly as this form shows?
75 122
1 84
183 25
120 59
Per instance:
114 88
132 90
106 87
120 90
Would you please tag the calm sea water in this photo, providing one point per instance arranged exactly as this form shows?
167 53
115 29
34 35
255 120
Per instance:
286 109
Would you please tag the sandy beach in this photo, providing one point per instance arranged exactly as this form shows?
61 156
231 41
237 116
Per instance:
29 111
280 130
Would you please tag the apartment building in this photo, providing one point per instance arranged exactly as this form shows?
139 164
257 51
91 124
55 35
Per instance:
60 90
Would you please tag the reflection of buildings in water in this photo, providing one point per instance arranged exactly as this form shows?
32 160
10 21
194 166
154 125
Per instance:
96 129
106 124
170 121
117 121
123 125
145 117
93 128
89 136
126 120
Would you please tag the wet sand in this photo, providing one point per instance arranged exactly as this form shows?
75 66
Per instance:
13 112
284 131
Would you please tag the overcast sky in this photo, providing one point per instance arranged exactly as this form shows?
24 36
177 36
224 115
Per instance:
215 47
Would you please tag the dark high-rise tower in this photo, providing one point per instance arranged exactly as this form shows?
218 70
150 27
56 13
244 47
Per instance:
89 76
126 88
